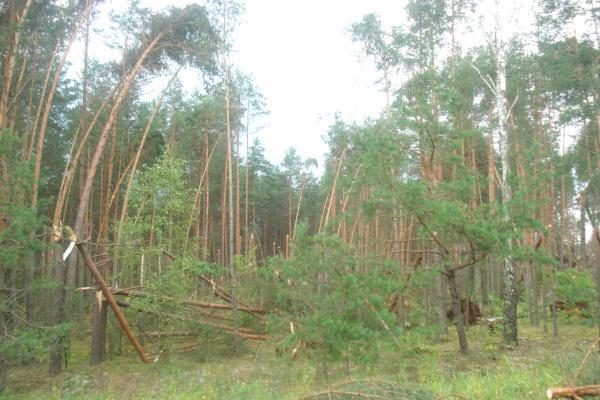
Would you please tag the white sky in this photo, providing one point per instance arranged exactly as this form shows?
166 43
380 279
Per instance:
302 58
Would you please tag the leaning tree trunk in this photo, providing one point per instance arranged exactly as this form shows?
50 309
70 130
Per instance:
62 300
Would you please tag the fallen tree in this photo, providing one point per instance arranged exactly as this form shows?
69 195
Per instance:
244 333
257 312
111 301
573 392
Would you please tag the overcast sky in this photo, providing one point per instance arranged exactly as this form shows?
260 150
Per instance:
302 59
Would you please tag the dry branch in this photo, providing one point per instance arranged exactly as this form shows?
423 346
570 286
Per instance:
200 304
244 333
221 293
174 333
364 389
573 392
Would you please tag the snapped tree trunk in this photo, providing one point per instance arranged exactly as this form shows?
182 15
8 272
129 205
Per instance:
62 299
58 345
99 318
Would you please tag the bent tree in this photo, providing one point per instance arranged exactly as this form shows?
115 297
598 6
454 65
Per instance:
183 36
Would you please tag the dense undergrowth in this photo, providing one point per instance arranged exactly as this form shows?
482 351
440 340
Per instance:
414 364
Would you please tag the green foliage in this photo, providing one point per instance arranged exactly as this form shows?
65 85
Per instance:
159 209
19 240
573 286
335 304
187 37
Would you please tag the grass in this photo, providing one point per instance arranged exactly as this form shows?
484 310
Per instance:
487 372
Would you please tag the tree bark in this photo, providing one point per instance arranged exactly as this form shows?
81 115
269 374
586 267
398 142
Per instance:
509 334
573 392
457 309
3 330
57 351
231 261
99 319
111 301
10 61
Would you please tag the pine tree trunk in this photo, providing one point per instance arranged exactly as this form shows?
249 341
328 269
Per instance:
205 228
58 345
458 315
238 236
246 173
441 306
99 320
231 261
3 330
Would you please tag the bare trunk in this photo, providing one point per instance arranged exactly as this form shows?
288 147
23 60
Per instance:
231 260
58 347
10 62
99 319
246 172
510 335
458 315
238 237
206 200
3 332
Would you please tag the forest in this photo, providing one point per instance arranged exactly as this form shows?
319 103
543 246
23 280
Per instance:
447 248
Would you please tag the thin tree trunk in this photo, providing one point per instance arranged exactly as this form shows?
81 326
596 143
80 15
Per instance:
10 61
196 207
58 346
510 333
246 173
206 200
231 261
48 105
136 160
98 339
238 237
3 332
458 315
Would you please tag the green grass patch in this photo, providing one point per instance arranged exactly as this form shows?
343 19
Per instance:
414 364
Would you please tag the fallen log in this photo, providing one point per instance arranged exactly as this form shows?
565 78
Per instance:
201 304
573 392
244 333
223 295
220 293
171 334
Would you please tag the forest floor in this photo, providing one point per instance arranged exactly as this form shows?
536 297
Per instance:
413 368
